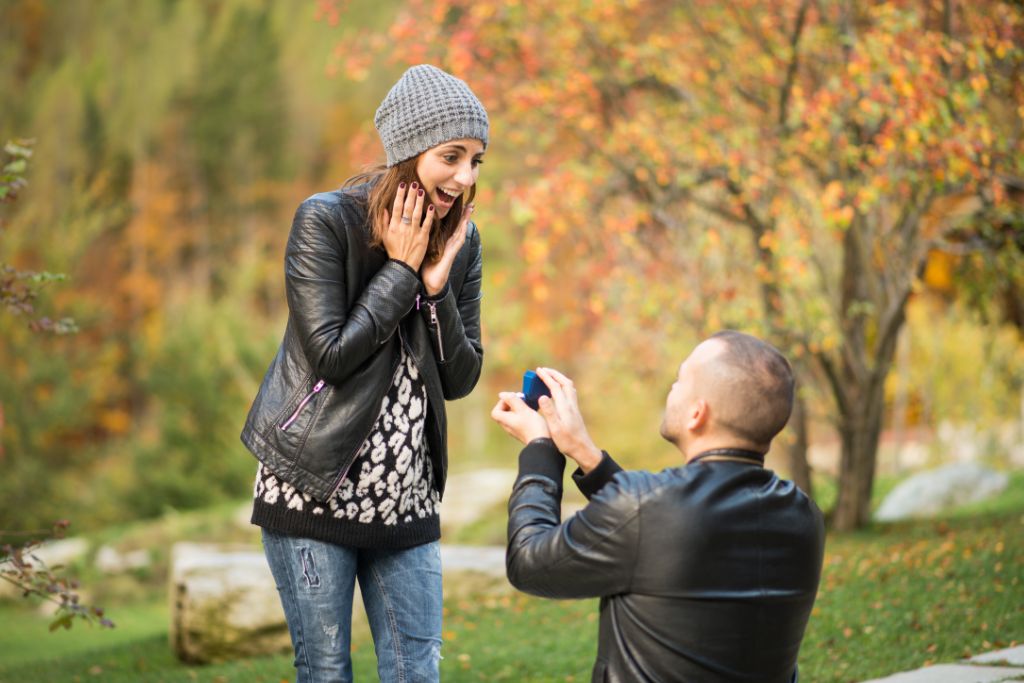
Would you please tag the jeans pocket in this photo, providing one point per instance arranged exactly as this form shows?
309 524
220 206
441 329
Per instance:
309 568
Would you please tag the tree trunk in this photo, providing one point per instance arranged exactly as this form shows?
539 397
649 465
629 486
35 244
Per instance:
860 427
859 436
870 334
796 452
900 424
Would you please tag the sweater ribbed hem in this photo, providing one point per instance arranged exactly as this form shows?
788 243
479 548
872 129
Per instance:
343 532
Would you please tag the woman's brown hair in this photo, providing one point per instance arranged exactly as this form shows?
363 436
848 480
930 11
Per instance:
382 197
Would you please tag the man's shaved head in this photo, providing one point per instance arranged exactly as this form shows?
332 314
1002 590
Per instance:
748 385
732 385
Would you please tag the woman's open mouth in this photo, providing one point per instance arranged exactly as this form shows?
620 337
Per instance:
446 198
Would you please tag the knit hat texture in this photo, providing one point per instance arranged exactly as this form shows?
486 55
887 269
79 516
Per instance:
425 108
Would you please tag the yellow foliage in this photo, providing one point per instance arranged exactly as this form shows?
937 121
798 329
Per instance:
938 271
115 421
535 250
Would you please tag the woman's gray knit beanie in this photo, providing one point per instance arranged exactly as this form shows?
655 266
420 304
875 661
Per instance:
425 108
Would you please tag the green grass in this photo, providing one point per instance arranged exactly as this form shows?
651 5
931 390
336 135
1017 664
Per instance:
490 637
908 595
144 660
26 637
893 597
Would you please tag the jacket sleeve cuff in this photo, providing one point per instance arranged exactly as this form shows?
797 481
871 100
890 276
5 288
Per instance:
406 266
541 457
594 481
436 297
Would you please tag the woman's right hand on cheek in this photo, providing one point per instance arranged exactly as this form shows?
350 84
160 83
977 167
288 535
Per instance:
409 226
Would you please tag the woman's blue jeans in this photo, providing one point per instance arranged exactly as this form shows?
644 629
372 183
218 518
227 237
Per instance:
401 592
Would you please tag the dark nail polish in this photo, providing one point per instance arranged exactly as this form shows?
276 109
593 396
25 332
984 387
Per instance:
415 185
430 208
401 186
420 193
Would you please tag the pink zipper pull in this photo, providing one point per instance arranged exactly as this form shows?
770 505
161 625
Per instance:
302 404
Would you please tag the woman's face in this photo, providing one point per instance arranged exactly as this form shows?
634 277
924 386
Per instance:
449 170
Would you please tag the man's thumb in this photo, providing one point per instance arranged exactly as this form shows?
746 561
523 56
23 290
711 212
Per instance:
545 406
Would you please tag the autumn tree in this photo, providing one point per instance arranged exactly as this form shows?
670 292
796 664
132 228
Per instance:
179 139
785 166
19 289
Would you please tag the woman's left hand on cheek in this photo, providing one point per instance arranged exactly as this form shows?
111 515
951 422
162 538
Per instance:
435 273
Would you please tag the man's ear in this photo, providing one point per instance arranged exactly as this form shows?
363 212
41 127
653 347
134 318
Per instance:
698 415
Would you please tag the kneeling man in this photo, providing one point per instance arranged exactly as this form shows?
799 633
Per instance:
707 571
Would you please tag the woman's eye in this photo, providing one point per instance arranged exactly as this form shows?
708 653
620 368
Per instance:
477 162
450 158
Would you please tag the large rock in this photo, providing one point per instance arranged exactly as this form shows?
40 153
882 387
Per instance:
111 561
224 604
927 494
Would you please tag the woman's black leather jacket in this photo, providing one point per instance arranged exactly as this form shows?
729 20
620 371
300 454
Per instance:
349 309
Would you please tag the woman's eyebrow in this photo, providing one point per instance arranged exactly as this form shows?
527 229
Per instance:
461 148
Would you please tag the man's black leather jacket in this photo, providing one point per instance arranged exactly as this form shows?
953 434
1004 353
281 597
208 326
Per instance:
348 310
706 572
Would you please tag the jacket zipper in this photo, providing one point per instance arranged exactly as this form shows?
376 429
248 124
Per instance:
302 404
437 326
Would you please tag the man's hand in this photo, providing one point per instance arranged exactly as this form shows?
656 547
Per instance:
564 421
519 419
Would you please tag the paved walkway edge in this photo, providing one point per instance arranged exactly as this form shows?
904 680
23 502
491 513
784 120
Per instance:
969 671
